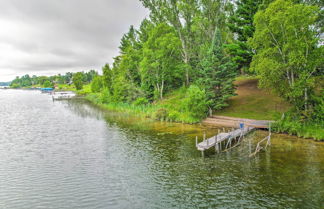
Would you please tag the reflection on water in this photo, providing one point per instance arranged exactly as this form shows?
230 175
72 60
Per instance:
71 154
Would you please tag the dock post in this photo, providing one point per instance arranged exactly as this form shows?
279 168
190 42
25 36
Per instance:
202 154
196 141
217 147
250 146
224 130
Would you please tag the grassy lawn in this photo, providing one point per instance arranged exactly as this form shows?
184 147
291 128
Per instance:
254 103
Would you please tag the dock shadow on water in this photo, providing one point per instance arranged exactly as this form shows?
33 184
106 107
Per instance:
71 154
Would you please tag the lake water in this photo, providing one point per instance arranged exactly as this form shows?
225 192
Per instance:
71 154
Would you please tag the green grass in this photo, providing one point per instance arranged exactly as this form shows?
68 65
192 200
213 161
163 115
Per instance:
168 109
66 87
250 102
308 130
254 103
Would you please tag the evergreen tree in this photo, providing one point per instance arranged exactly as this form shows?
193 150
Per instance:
241 24
130 56
217 74
107 77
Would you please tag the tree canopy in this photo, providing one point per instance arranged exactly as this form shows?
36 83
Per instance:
288 54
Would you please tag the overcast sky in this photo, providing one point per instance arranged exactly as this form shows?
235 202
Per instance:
46 37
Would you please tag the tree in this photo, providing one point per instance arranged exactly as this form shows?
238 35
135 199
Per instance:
241 24
216 75
161 65
131 55
180 14
78 80
68 77
88 76
194 22
97 84
287 48
107 77
48 84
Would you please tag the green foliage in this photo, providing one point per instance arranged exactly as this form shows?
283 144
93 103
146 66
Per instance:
161 114
24 81
217 75
48 84
141 101
105 96
241 24
97 84
107 77
161 67
14 85
288 52
293 124
89 76
195 102
59 80
78 80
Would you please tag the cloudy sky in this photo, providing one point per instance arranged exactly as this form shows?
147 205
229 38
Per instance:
46 37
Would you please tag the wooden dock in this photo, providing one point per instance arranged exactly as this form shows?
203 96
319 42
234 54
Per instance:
227 139
224 121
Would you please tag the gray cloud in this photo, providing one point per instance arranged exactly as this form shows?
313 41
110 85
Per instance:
52 36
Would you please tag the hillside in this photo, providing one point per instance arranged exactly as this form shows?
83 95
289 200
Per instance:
254 103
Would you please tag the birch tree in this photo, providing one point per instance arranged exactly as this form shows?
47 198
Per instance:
287 48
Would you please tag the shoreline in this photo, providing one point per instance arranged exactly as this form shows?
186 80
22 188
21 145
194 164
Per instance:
129 109
150 112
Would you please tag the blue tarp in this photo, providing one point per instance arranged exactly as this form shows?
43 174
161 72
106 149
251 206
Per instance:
47 89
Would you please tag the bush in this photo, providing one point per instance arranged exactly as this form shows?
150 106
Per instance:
48 84
293 125
161 114
97 84
105 96
195 102
78 80
141 101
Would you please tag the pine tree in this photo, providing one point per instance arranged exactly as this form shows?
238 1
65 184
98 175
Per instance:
241 24
217 74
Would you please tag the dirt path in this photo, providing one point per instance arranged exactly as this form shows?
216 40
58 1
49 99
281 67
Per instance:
224 121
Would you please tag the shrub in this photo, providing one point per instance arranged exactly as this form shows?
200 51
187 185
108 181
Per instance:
97 84
105 96
195 102
161 114
78 80
141 101
48 84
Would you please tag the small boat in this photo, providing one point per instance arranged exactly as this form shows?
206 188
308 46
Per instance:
58 95
46 90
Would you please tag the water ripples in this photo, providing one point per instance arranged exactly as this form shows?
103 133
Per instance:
72 155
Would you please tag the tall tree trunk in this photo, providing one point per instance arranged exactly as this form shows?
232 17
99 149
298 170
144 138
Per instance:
306 99
162 88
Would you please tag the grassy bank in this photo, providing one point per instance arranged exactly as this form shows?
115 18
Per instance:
305 130
171 108
250 102
254 103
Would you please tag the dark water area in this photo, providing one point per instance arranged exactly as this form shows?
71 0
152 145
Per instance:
71 154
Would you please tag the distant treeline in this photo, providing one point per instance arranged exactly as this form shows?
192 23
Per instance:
49 81
5 83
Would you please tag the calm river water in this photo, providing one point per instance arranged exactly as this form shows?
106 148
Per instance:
70 154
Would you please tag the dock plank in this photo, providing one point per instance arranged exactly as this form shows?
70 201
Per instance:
211 142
